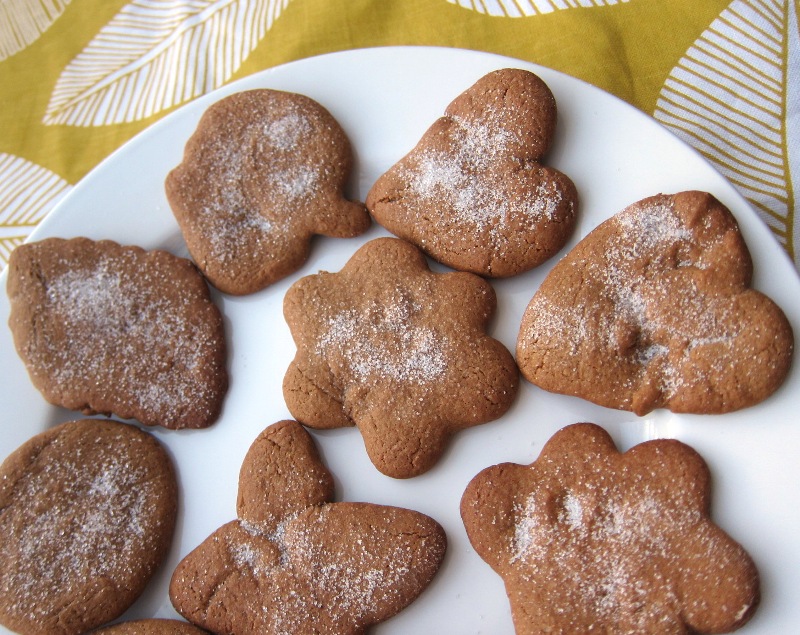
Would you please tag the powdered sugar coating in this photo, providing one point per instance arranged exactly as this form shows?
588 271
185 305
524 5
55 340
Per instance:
588 538
653 309
112 329
474 193
88 511
304 564
263 172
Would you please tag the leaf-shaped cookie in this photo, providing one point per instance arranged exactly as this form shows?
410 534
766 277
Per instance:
653 309
587 538
397 350
156 54
107 328
474 194
264 171
730 96
296 563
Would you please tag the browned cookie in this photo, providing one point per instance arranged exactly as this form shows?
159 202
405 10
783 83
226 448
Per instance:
397 350
474 193
151 627
654 309
264 171
87 511
590 539
294 562
104 328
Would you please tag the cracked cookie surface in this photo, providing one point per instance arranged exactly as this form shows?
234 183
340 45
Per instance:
474 193
397 350
294 562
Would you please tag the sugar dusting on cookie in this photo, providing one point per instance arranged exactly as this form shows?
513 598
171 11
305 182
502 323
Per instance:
383 342
118 327
459 179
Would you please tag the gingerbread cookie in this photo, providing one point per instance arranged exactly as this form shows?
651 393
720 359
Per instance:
474 193
104 328
397 350
87 512
151 627
588 538
653 309
295 562
264 171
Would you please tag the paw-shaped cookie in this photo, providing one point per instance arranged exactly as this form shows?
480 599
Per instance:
296 563
87 512
105 328
588 538
654 309
474 193
397 350
264 171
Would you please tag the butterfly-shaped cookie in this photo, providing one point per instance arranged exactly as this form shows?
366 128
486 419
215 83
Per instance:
294 562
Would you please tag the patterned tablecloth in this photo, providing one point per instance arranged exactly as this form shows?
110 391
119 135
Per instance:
78 78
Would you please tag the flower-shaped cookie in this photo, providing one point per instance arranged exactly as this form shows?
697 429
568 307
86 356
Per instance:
654 309
397 350
264 171
296 563
588 538
473 194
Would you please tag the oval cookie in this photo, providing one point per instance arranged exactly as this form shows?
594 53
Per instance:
87 512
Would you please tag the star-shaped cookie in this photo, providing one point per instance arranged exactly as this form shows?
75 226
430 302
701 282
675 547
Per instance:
474 193
296 563
654 309
587 538
397 350
264 171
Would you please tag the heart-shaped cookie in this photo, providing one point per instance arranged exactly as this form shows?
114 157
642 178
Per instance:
474 193
588 539
653 309
294 562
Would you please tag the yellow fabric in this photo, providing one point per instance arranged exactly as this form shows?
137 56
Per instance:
652 53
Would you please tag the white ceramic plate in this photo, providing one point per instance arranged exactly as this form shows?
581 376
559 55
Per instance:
385 99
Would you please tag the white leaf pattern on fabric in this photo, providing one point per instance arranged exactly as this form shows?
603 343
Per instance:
27 194
23 21
524 8
734 97
155 54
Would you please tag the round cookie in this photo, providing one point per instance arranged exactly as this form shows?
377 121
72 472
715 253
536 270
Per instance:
87 512
590 539
654 309
264 171
106 328
295 562
473 193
